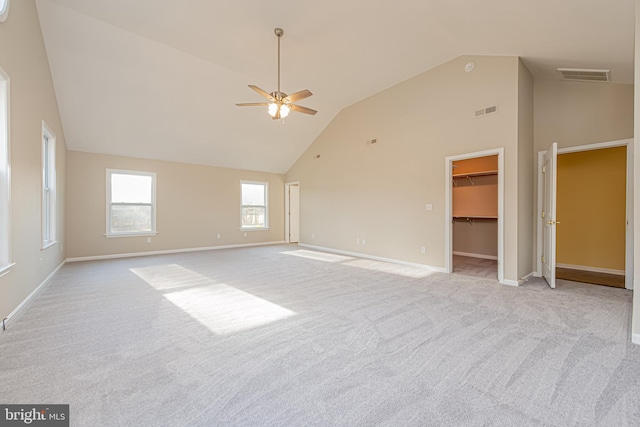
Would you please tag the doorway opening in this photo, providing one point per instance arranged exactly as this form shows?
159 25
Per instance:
474 214
587 232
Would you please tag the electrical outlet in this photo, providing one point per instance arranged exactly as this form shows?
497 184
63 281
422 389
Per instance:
364 242
245 234
429 207
218 236
313 235
148 239
423 249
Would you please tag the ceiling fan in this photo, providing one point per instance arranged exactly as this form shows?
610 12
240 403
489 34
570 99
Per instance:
280 104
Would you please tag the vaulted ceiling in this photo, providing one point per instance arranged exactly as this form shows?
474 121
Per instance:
160 79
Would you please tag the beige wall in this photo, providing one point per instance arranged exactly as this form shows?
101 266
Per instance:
525 172
635 324
23 58
591 208
194 204
479 237
580 113
378 192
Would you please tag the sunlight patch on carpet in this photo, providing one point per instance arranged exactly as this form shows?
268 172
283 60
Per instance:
318 256
385 267
223 309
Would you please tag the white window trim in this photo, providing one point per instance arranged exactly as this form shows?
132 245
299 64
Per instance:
266 206
5 13
51 139
5 190
153 231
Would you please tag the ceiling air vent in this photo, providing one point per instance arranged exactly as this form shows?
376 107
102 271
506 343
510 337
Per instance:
584 75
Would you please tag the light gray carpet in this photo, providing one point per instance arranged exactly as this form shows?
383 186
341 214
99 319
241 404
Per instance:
476 267
280 336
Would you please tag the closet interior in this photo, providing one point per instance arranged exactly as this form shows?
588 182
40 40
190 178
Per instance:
475 216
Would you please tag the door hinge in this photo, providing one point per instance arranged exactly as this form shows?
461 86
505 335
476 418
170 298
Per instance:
544 169
542 259
542 214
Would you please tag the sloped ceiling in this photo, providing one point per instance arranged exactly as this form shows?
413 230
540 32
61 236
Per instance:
160 79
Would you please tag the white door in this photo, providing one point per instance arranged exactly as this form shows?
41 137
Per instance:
549 169
294 214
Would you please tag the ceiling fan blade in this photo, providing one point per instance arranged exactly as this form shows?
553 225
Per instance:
298 96
253 104
301 109
262 92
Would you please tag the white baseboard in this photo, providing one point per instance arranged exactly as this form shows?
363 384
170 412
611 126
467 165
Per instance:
170 251
520 281
470 255
32 295
510 282
635 338
373 257
592 269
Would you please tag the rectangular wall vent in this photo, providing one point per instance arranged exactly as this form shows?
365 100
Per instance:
487 110
584 75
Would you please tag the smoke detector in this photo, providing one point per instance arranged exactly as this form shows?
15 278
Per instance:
585 75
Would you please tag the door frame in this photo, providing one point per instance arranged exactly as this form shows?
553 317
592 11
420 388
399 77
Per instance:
448 241
628 278
287 185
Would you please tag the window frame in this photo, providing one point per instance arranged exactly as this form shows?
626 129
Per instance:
5 171
4 13
109 204
49 188
244 227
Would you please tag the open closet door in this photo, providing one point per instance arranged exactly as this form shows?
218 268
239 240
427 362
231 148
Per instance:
549 173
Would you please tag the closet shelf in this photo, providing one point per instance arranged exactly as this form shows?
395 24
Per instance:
474 217
472 174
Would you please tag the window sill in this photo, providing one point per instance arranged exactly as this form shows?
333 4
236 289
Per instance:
5 270
47 245
254 228
145 234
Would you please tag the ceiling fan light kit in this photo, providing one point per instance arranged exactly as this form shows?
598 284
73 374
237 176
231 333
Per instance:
280 104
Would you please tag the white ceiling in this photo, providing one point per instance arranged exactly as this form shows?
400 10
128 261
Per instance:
160 78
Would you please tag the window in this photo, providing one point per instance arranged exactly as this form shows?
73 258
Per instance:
4 10
48 187
131 203
254 205
5 178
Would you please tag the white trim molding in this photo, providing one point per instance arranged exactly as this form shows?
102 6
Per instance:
16 311
635 338
470 255
591 269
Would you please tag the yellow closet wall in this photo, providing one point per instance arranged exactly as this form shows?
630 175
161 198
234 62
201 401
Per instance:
591 208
